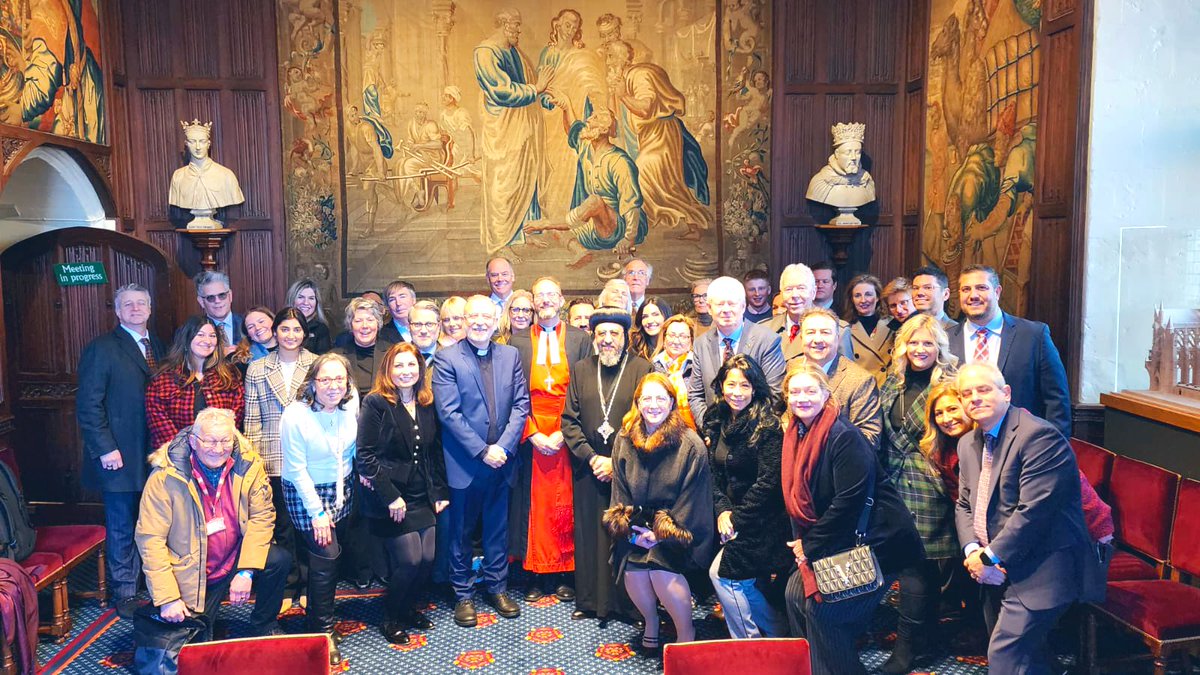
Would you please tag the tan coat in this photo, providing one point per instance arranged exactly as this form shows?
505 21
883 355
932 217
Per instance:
170 529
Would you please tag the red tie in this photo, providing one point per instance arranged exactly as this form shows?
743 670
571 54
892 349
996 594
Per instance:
981 346
727 349
150 360
793 331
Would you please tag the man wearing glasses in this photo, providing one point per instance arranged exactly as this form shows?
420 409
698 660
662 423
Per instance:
207 480
424 324
637 275
216 299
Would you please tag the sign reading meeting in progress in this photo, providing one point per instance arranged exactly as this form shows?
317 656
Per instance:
80 274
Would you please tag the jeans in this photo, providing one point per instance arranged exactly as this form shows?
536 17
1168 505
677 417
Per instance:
124 563
747 612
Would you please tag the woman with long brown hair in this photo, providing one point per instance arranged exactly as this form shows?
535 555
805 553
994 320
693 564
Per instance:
661 512
870 333
194 376
400 454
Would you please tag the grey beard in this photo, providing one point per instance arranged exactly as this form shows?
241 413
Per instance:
609 359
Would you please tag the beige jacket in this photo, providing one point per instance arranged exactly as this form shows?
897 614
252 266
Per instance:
170 531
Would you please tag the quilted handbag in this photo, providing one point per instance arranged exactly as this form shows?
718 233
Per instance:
855 571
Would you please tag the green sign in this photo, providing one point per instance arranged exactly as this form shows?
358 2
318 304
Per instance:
80 274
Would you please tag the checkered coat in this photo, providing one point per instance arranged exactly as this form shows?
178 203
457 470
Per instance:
170 406
267 394
917 481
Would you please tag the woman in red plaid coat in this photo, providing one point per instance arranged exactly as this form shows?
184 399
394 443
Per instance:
193 377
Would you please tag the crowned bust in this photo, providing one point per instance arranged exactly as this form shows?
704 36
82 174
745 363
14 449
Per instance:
842 182
203 185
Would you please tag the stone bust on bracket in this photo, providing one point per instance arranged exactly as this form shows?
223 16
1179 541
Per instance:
843 182
202 185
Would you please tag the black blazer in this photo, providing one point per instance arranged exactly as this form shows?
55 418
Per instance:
1031 366
391 446
110 407
318 340
839 491
389 334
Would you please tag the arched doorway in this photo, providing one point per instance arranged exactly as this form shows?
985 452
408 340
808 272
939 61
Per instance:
53 210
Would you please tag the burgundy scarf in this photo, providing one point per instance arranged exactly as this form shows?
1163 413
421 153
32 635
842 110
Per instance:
800 458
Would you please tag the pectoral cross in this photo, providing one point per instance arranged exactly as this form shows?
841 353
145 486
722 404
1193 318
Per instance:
549 382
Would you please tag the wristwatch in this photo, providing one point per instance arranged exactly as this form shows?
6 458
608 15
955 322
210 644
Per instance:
986 559
249 574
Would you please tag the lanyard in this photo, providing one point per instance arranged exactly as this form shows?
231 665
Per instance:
203 483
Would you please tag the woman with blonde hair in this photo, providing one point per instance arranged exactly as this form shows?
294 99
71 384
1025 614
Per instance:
453 315
921 360
304 295
516 315
661 511
675 359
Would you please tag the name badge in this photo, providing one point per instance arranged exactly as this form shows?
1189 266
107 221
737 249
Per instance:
215 525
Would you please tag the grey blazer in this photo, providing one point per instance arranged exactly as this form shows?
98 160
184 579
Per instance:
758 342
792 348
267 394
855 391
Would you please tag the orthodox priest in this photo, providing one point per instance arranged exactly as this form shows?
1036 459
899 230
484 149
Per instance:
541 523
598 396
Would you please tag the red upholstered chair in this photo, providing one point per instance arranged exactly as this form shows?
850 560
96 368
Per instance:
49 571
767 656
281 655
1163 612
75 543
1142 497
1096 463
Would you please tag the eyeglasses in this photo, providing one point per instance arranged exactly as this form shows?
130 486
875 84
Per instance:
521 310
699 296
548 295
326 381
215 297
638 274
423 325
211 443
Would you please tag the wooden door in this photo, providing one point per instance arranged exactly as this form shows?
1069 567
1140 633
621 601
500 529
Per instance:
47 328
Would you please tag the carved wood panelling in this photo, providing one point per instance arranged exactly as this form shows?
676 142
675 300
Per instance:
838 26
1058 9
879 113
158 150
797 111
31 354
796 54
152 42
881 64
81 327
913 160
917 40
911 256
1050 287
204 105
201 29
250 113
248 49
1056 171
254 277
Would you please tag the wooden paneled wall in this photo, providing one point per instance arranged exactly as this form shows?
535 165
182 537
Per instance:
215 60
849 61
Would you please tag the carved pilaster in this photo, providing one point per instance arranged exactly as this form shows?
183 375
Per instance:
443 23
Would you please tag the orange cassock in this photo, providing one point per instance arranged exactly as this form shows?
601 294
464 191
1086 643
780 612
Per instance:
551 545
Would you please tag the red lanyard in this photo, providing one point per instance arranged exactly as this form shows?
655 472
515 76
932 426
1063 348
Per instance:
203 483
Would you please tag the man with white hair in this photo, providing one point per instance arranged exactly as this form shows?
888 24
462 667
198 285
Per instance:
637 275
798 286
615 294
733 335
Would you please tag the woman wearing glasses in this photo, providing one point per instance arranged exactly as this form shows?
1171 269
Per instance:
318 436
516 316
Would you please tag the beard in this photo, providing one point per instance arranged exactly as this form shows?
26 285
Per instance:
610 355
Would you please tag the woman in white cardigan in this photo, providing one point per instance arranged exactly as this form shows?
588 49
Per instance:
318 437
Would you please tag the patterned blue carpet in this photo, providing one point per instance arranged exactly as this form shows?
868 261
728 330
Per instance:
543 641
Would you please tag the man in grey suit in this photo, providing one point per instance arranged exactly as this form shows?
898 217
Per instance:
799 288
1020 518
1021 349
853 388
733 335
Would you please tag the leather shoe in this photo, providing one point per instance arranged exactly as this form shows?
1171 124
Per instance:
504 605
564 593
578 615
419 621
464 613
394 633
127 607
533 593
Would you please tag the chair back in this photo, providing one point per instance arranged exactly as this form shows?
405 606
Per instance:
1143 499
280 655
1096 463
1185 536
767 656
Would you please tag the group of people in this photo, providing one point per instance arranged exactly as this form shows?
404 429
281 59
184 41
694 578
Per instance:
626 455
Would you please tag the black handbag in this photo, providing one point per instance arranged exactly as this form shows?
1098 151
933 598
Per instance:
856 570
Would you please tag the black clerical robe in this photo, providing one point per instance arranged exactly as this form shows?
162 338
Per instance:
595 580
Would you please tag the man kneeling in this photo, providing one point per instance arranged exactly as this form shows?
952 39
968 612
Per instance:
209 480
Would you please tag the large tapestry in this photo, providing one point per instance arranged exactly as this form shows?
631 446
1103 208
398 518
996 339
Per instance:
51 74
424 137
981 138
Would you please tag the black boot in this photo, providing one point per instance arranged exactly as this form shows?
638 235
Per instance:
322 584
904 651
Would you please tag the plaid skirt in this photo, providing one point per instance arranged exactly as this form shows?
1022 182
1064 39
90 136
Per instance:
327 492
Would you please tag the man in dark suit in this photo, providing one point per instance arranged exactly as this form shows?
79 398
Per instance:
1020 517
216 301
732 335
425 324
401 296
1021 349
538 532
110 407
482 401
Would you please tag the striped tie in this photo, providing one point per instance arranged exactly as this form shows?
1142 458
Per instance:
981 346
983 491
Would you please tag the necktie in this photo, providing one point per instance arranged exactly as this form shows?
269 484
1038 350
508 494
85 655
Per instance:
726 349
983 491
981 346
222 332
150 360
793 331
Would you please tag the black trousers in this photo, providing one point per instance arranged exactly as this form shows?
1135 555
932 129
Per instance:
832 628
157 643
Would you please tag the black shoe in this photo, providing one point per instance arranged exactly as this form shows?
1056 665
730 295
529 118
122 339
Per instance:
533 593
564 593
578 615
394 633
362 584
419 621
504 605
464 613
127 607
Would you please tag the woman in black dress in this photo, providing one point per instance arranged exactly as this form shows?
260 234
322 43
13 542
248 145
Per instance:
661 514
400 454
304 295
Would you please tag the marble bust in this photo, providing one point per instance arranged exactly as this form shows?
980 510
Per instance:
203 185
843 182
